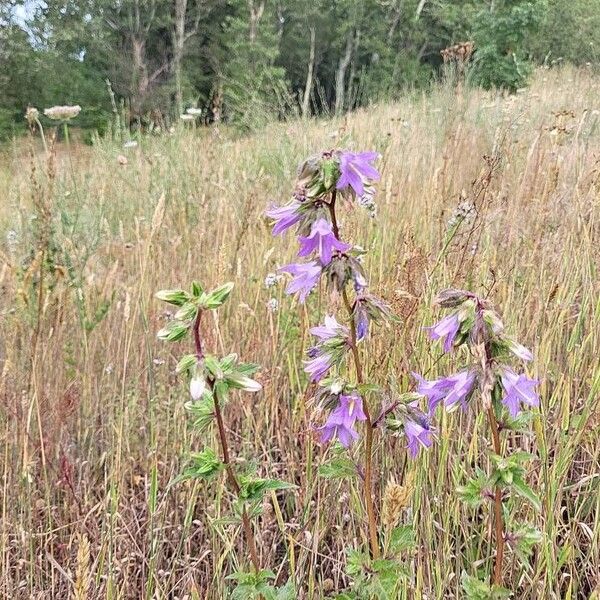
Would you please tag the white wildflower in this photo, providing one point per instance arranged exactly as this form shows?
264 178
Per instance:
62 113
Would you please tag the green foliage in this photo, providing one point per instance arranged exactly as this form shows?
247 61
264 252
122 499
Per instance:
472 493
475 589
373 579
509 472
203 465
252 585
337 468
500 32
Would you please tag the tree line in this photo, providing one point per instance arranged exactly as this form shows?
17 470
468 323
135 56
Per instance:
247 61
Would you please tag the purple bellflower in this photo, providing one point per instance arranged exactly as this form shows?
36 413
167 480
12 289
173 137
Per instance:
323 241
319 365
356 170
519 350
341 421
418 435
330 329
451 390
518 389
449 327
305 278
285 216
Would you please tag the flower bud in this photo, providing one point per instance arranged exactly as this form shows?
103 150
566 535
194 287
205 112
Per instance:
451 298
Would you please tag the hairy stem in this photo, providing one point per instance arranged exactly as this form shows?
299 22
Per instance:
498 516
368 479
231 478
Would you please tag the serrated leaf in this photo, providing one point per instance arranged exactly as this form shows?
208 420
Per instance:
523 490
338 467
254 489
402 539
204 465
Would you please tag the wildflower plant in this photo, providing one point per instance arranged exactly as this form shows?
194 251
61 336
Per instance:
489 384
326 183
212 383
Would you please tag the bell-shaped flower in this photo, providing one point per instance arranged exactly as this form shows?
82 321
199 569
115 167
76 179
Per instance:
342 419
330 329
319 364
518 389
322 240
418 435
305 278
452 390
447 328
285 216
356 171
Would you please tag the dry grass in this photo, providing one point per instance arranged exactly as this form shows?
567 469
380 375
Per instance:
93 427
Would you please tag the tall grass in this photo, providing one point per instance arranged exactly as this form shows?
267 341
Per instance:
93 428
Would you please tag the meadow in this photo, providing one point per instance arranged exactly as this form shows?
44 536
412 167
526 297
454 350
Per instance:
93 425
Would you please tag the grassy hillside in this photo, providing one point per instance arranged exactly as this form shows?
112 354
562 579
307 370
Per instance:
92 423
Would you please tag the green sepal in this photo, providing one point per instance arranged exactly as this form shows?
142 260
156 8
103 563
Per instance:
202 412
217 297
186 363
176 297
173 331
196 289
187 312
213 367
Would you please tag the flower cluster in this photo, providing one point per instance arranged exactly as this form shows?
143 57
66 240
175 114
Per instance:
474 323
323 181
62 113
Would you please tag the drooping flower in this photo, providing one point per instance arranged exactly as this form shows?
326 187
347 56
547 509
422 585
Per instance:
305 277
342 419
323 241
285 216
356 170
330 329
319 365
518 389
418 435
62 113
451 390
448 327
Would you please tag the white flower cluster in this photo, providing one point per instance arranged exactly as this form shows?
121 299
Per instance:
62 113
465 211
272 279
367 201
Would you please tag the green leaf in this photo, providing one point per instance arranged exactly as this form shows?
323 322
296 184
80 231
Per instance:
338 467
173 331
473 492
187 312
402 539
254 489
475 589
217 297
196 289
202 412
523 490
204 465
213 366
176 297
186 363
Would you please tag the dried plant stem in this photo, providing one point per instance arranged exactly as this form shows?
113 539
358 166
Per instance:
231 478
368 482
498 517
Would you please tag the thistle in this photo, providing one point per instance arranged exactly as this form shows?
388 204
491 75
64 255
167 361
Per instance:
490 385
